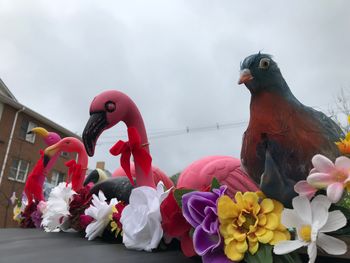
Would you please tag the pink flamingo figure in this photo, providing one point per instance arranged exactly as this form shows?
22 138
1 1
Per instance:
226 169
36 178
111 107
108 109
76 171
158 174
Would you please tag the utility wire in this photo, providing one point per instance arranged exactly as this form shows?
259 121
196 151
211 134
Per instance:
164 133
177 132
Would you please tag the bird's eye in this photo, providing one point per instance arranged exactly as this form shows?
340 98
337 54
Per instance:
67 142
110 106
264 63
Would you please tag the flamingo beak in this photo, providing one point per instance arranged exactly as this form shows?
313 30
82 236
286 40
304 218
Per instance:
96 124
49 152
245 76
93 177
40 131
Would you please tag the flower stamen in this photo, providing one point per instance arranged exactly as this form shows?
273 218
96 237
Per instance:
305 233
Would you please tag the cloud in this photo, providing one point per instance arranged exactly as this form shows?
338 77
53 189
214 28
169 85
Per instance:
178 60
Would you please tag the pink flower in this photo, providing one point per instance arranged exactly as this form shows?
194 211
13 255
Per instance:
326 175
304 189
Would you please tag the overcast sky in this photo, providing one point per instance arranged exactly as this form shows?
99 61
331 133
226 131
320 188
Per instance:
178 60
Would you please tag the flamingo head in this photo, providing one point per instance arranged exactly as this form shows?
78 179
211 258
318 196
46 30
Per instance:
106 110
50 138
67 144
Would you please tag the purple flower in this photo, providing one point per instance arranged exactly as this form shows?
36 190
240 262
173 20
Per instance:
200 210
36 218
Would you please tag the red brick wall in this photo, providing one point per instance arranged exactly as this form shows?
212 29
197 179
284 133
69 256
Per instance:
20 149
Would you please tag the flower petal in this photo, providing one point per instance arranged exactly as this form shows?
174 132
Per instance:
187 245
320 180
331 245
204 241
253 247
319 207
272 221
286 247
266 205
343 163
290 218
232 253
279 236
336 220
217 256
226 208
322 163
303 208
305 189
335 192
242 246
312 252
266 237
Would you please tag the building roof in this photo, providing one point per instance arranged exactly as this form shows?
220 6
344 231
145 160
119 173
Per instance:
4 90
8 98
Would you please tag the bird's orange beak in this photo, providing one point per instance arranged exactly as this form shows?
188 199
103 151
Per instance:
245 76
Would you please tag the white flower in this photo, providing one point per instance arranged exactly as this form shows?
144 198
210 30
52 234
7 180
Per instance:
311 221
42 206
141 219
57 207
13 198
100 211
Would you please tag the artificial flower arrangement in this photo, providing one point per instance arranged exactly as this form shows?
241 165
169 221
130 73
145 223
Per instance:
246 227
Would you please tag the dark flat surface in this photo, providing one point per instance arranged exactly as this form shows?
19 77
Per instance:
36 246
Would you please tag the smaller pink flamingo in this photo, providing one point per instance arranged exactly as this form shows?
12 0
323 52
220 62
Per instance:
226 169
77 170
36 178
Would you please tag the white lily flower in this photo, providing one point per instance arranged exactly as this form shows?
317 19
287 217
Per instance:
100 211
141 219
57 207
311 221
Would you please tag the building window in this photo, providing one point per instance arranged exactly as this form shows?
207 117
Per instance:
27 126
57 177
19 170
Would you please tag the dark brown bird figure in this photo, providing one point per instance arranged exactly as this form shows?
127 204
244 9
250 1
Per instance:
282 132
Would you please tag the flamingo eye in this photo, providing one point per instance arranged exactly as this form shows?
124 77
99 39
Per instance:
110 106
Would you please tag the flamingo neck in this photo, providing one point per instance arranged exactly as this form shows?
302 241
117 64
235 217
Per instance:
134 119
83 161
51 163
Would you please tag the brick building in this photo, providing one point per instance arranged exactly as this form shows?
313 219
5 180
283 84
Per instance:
19 151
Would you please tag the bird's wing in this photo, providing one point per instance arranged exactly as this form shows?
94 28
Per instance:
275 181
331 129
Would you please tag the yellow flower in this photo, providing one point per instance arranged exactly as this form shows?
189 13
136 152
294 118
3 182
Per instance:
344 144
113 224
16 214
248 221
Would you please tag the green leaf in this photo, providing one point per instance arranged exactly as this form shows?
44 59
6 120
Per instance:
263 255
288 258
214 184
178 193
